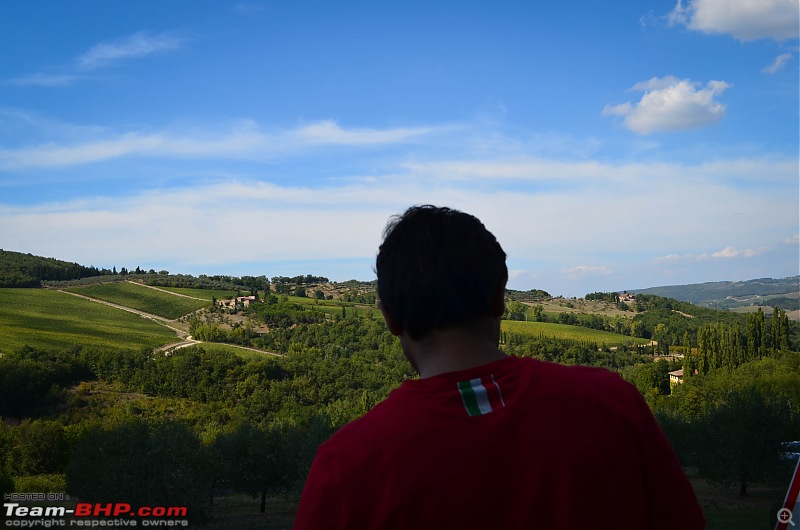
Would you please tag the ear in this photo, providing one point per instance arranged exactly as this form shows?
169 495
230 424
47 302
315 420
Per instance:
391 323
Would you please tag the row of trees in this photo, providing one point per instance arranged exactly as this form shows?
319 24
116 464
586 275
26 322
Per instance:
150 463
729 346
26 270
669 322
732 424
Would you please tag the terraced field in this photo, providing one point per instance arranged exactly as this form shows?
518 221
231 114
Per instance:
143 298
43 318
562 331
205 294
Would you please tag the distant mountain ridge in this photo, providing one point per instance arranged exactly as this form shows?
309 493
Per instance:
784 293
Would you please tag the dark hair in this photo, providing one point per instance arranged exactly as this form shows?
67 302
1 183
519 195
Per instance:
438 268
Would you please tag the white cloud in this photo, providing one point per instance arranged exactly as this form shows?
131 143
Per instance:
778 63
130 47
546 231
746 20
671 104
244 140
728 252
329 132
583 270
565 174
45 80
516 273
733 252
102 55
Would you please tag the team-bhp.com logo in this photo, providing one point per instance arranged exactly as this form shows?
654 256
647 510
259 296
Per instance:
94 515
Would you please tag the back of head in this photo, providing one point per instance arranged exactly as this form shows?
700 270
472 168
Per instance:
439 268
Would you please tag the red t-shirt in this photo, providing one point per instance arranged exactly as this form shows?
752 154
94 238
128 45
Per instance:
516 443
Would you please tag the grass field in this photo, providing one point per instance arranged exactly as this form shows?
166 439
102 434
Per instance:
593 307
247 355
143 298
334 307
205 294
50 319
562 331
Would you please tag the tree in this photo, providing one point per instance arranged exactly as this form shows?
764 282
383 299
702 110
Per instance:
651 379
38 447
6 483
637 329
780 330
756 338
731 425
740 439
256 461
661 336
514 310
162 464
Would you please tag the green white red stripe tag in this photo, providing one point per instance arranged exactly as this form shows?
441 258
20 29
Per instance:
481 396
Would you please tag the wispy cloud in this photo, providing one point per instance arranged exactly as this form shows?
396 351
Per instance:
130 47
43 80
671 104
244 140
585 270
343 220
249 8
585 173
328 132
778 63
101 55
733 252
728 252
745 20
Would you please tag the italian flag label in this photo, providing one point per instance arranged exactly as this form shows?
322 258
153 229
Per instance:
481 396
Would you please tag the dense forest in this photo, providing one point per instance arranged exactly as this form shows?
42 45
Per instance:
25 270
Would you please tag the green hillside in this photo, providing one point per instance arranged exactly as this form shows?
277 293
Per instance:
143 298
563 331
205 294
44 318
26 270
784 292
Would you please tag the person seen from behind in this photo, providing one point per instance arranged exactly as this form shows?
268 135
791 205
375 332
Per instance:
483 439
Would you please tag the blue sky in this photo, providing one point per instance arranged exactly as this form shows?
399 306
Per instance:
608 146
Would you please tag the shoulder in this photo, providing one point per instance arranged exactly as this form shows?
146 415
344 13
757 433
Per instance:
389 414
593 389
577 379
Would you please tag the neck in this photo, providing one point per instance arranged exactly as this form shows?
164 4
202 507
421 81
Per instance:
454 349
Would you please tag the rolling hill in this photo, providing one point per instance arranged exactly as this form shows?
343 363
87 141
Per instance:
737 296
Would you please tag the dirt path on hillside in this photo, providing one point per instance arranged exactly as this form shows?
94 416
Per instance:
189 341
186 340
168 292
155 318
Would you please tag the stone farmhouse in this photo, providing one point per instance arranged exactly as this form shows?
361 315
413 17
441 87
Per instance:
243 301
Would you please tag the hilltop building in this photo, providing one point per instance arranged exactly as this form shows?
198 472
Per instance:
243 301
